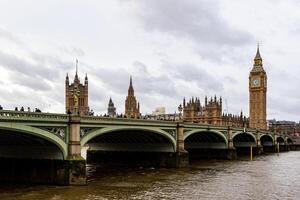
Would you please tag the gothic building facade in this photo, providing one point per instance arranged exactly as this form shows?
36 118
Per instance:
258 94
111 110
211 113
77 95
132 107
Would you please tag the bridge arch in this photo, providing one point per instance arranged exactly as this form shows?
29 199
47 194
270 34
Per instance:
107 130
289 140
37 133
248 133
266 136
206 144
280 140
221 135
266 140
244 139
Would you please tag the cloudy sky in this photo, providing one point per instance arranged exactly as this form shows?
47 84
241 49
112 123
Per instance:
172 48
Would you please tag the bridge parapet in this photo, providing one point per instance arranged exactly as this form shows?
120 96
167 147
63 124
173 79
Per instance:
113 120
6 115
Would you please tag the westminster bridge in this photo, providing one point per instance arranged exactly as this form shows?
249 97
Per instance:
46 148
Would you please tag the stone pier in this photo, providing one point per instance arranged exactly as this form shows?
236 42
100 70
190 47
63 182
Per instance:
231 152
74 172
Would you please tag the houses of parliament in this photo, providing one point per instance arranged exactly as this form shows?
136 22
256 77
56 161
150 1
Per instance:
210 112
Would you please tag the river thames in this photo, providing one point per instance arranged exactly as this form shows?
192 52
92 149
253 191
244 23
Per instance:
266 177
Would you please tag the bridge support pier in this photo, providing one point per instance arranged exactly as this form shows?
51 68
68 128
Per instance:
174 160
259 147
74 168
181 157
73 172
231 152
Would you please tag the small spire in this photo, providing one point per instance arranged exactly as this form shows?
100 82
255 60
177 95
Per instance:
76 75
130 81
257 56
76 66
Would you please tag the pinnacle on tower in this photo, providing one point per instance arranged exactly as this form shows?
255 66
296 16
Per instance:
76 67
67 79
130 84
76 73
257 56
257 59
86 79
130 89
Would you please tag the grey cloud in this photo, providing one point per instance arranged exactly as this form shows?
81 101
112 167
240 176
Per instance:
140 67
10 36
44 67
192 73
96 93
290 107
35 83
144 82
197 20
74 51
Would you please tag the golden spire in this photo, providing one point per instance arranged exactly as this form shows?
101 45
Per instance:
257 59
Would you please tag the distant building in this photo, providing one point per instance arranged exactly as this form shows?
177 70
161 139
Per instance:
164 117
132 107
211 113
111 110
77 95
159 111
287 127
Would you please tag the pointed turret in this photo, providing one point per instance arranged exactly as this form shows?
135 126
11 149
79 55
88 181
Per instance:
110 103
257 59
130 89
131 106
67 79
111 110
86 80
258 65
257 56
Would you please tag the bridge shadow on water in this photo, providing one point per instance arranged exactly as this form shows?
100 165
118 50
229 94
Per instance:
125 159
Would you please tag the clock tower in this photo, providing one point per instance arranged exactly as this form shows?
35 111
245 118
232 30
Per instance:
258 94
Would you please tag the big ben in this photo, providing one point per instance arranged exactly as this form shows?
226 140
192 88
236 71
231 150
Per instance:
258 94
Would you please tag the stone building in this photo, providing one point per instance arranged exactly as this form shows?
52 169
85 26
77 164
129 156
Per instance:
77 95
211 113
258 94
132 107
111 110
283 126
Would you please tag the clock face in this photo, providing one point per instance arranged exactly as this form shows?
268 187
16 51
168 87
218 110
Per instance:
255 82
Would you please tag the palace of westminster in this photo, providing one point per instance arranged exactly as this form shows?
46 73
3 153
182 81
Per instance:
193 111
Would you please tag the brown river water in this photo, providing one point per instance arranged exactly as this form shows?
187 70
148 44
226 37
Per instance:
266 177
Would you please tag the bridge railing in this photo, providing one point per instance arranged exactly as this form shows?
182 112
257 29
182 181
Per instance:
32 116
116 119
